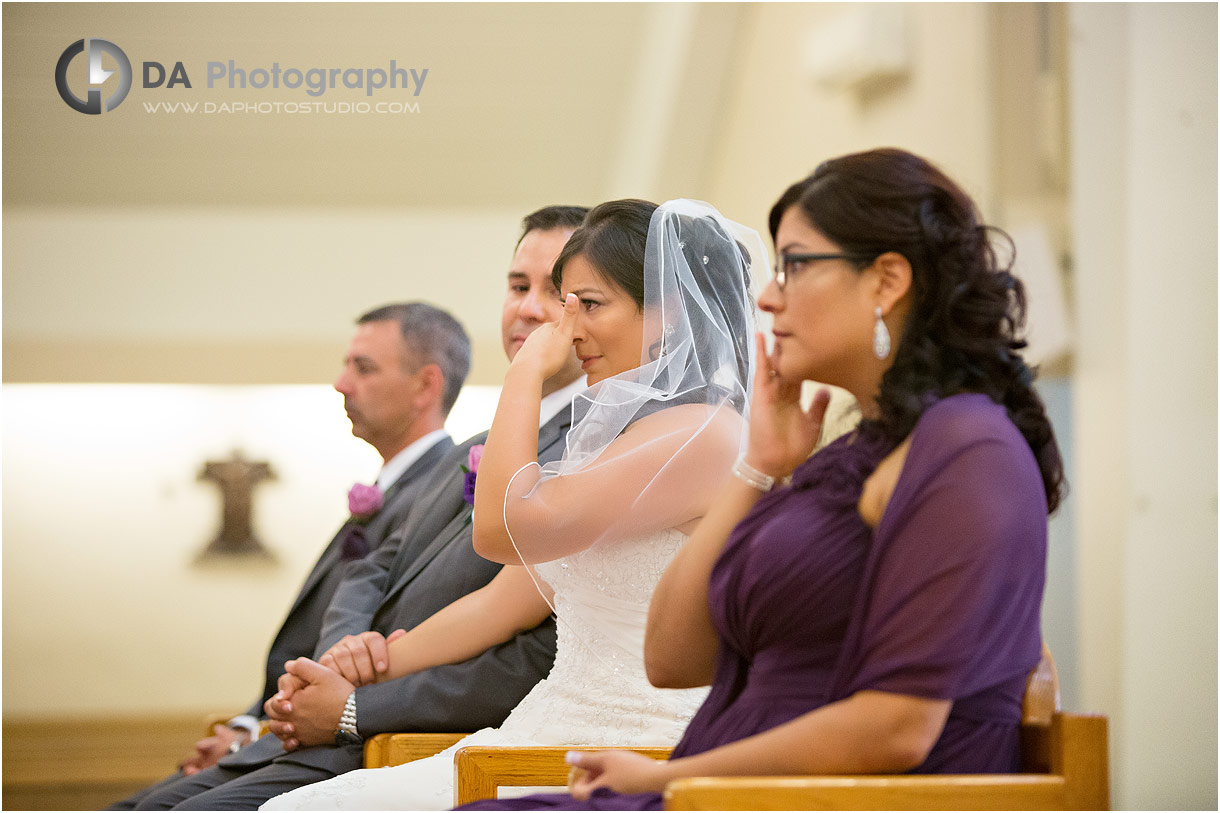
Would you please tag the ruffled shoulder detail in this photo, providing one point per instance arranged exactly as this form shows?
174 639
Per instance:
839 470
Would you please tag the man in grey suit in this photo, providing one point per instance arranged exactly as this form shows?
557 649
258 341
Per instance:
404 368
428 563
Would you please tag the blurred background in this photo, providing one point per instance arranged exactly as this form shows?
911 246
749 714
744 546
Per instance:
178 285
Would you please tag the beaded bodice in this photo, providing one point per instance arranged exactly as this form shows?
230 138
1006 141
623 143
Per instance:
597 692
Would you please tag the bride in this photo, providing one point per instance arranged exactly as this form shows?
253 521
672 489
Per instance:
657 306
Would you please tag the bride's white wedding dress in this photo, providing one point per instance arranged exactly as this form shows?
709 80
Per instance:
596 694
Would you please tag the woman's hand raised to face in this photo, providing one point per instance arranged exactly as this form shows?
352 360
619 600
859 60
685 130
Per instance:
549 347
782 435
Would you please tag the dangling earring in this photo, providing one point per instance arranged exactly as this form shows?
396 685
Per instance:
657 348
881 336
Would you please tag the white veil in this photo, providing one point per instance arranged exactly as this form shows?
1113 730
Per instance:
633 463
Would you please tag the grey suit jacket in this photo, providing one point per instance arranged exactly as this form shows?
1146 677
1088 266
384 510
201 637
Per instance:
298 635
425 566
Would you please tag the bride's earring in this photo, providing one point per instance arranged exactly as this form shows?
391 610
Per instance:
881 336
657 348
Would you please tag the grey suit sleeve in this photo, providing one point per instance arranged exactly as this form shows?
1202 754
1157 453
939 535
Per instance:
465 696
357 596
255 711
356 599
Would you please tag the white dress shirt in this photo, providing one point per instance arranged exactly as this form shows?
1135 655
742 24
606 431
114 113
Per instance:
560 399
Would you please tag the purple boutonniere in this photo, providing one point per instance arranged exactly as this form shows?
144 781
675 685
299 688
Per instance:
472 471
363 502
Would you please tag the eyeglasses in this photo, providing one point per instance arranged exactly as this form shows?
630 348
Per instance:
787 264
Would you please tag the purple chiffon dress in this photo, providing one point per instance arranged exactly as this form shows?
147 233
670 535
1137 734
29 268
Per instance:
941 601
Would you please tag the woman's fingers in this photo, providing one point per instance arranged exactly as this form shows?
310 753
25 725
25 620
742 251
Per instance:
576 776
766 373
567 320
789 390
817 409
585 760
346 664
549 347
586 769
764 368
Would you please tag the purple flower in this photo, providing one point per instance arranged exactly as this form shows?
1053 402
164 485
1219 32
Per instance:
363 501
355 545
472 471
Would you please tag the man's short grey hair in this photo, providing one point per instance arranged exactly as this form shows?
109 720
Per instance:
433 336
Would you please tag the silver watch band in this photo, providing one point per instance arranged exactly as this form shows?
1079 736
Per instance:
347 722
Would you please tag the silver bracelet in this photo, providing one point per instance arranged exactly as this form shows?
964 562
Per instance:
348 734
755 478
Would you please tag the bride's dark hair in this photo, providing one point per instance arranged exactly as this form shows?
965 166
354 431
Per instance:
614 240
963 331
613 237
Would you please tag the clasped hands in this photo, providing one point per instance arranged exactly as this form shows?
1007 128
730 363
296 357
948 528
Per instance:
209 750
309 703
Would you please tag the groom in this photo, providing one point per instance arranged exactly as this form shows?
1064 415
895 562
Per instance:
426 564
404 368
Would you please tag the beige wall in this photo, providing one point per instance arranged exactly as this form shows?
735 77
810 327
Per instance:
194 271
1144 216
237 248
781 121
231 295
106 610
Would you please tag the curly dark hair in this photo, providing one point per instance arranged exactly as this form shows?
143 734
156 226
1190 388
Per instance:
963 332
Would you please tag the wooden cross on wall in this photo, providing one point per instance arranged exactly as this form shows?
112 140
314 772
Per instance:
236 478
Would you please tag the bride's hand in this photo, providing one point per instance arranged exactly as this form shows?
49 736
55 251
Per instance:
782 435
549 347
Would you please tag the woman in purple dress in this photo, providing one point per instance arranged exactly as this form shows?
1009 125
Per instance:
879 612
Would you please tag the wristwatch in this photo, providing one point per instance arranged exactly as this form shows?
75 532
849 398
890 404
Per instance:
347 734
239 742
